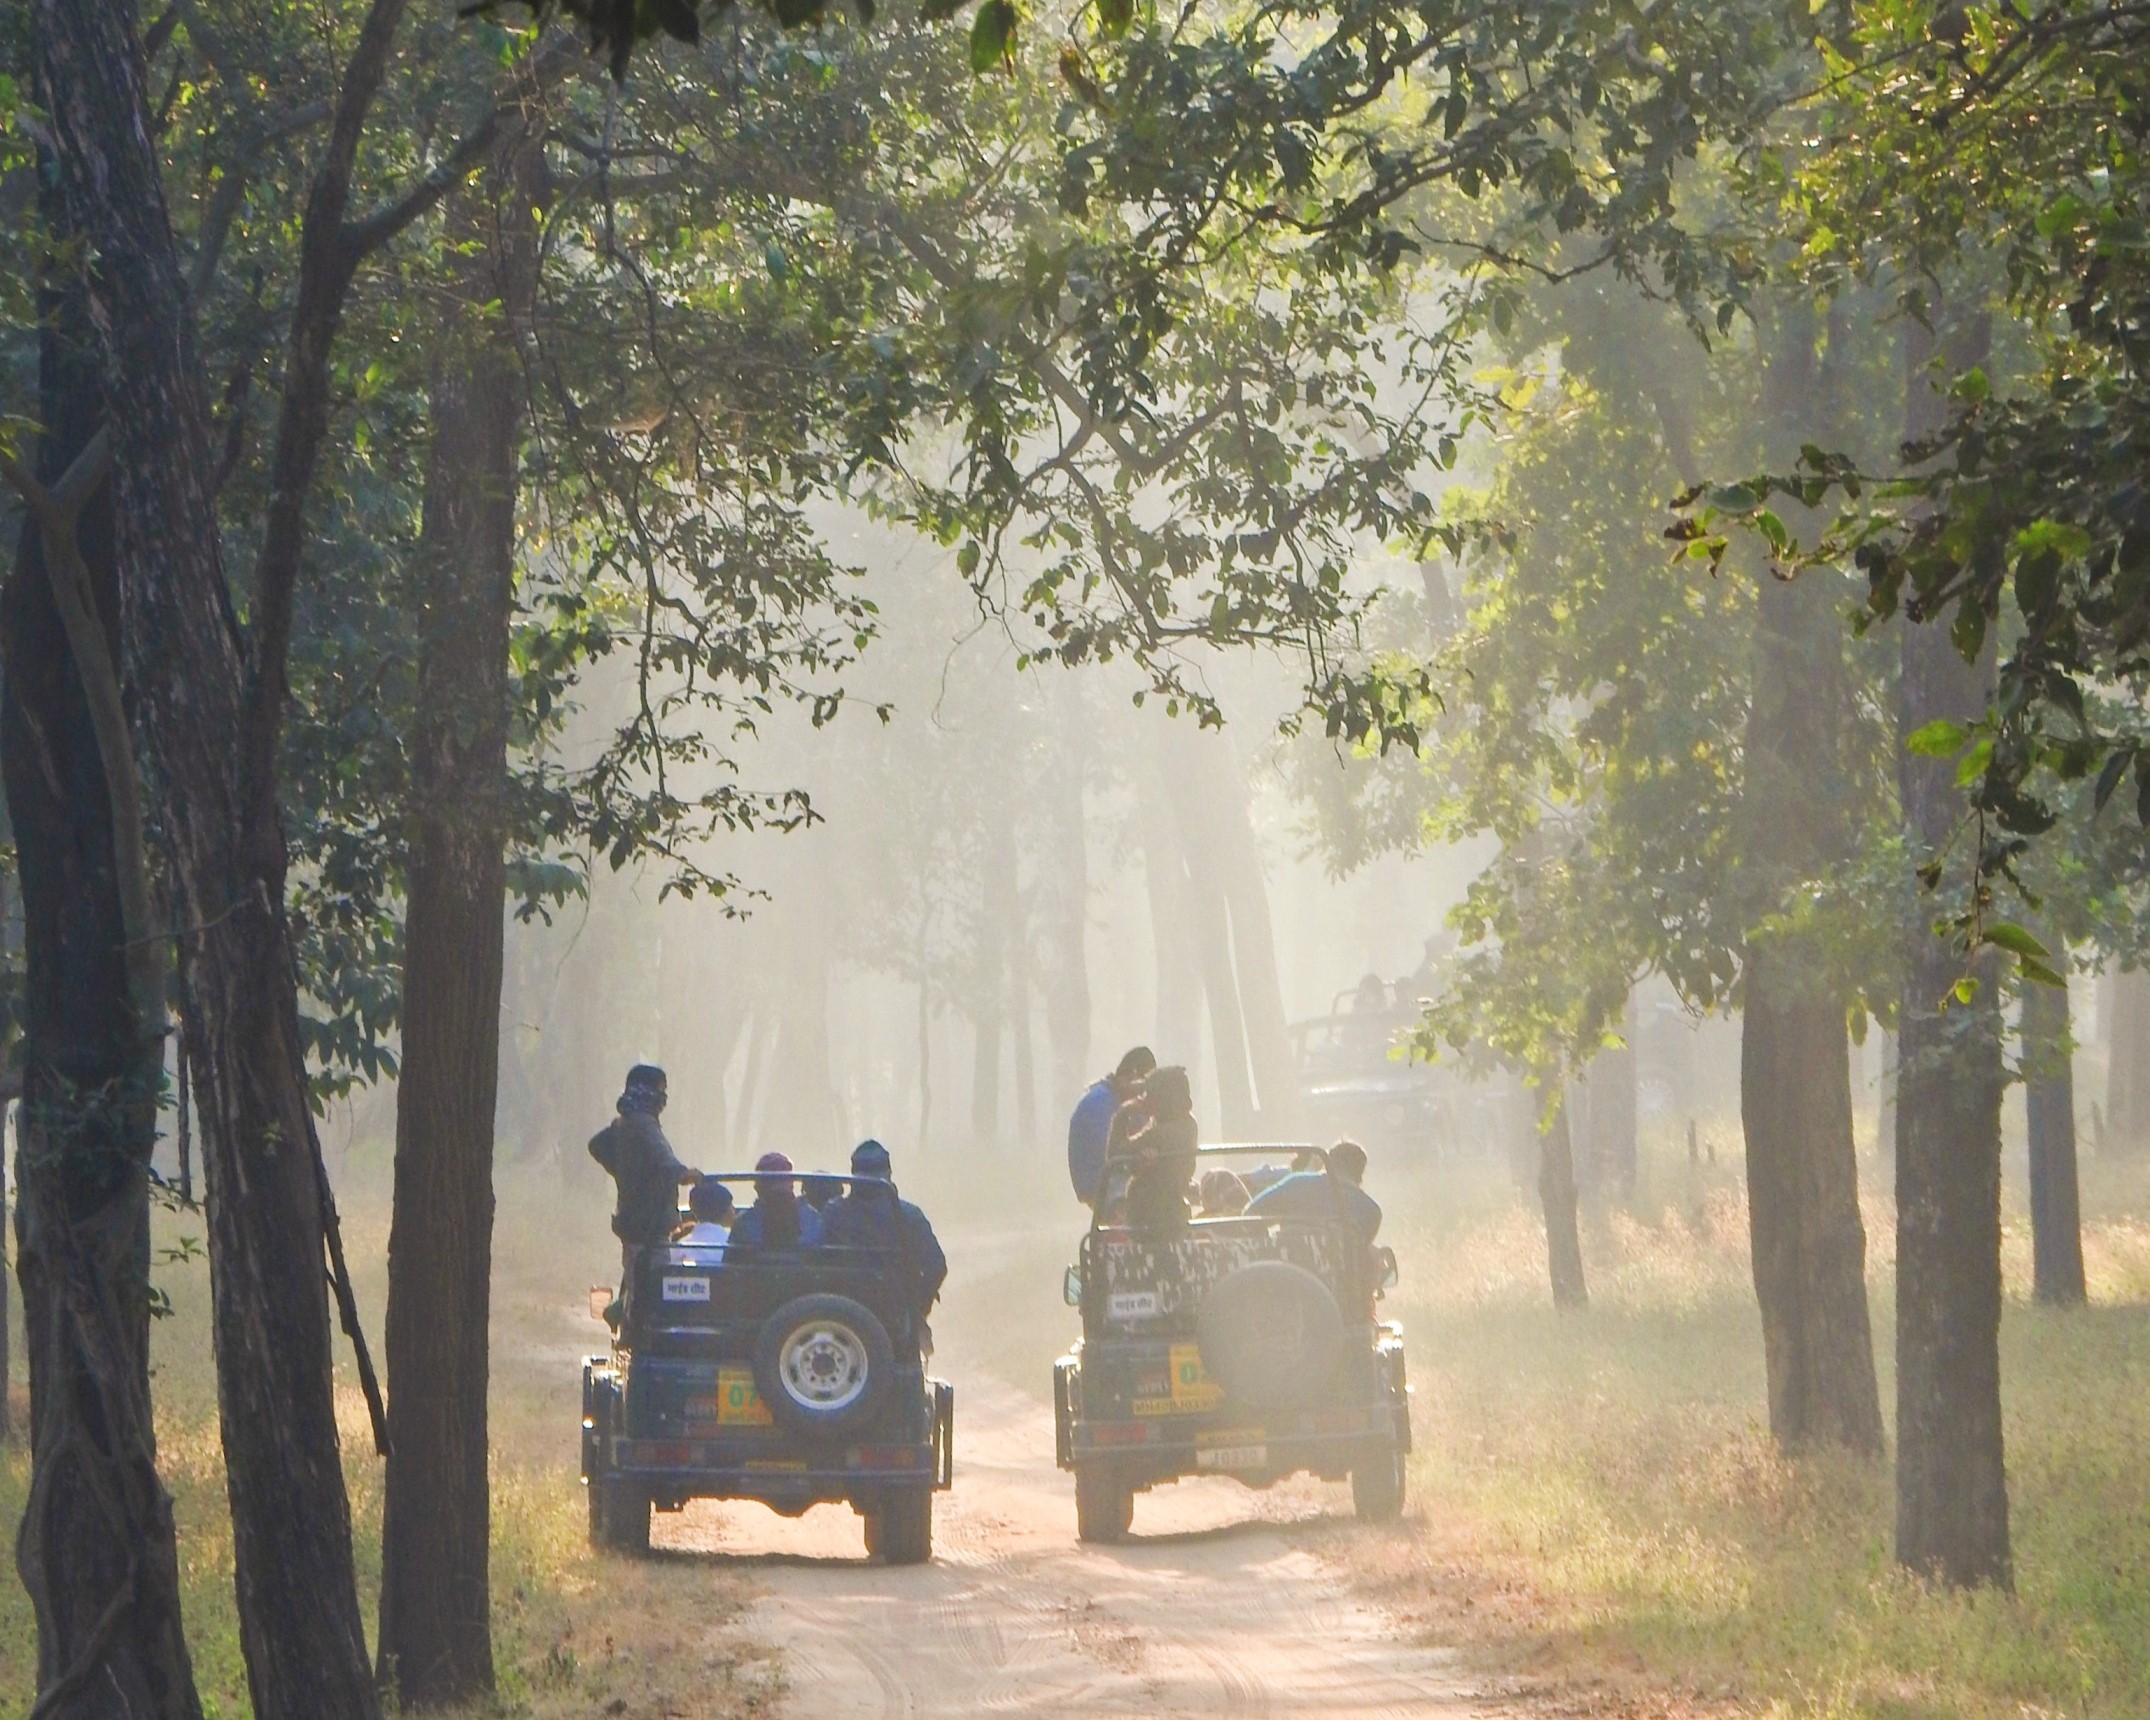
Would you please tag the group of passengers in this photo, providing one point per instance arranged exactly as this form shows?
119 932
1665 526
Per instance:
1131 1158
789 1212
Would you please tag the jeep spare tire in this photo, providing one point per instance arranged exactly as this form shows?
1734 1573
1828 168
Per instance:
1270 1335
823 1364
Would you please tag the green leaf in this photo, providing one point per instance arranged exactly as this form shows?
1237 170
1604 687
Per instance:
967 558
2016 940
933 11
778 264
2039 974
1937 739
991 36
2109 778
1114 16
1965 990
1973 764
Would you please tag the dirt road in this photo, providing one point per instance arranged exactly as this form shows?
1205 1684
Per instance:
1207 1610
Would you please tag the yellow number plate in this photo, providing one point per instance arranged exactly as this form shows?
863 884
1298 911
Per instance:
738 1402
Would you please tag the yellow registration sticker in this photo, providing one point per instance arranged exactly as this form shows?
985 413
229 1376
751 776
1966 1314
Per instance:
738 1402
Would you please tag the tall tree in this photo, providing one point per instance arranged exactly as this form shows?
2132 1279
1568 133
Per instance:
97 1550
2049 1116
1951 1481
1809 1242
435 1643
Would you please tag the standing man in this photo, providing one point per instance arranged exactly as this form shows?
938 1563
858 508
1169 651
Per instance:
1090 1128
646 1175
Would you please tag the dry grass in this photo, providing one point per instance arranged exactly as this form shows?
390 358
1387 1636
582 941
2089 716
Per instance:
576 1633
1600 1515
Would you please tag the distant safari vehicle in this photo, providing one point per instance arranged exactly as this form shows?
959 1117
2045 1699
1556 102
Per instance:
1351 1082
1243 1346
789 1375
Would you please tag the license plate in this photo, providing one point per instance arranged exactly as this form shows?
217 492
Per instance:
738 1401
1132 1305
1233 1457
686 1289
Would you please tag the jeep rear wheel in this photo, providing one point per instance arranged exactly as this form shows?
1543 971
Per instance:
1104 1506
619 1515
1377 1488
901 1531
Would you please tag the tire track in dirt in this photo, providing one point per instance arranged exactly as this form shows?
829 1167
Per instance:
1207 1610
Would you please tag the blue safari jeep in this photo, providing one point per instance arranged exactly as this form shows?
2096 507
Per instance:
1242 1346
788 1375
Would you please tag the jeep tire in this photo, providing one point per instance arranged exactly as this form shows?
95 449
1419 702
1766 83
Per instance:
1104 1506
901 1531
823 1364
1377 1488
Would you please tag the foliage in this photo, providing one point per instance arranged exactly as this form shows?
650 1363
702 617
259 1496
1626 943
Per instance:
1952 139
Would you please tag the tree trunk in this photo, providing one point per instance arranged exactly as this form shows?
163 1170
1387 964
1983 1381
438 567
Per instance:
298 1599
1809 1243
1067 915
97 1551
1807 1237
1951 1483
2127 1070
1615 1126
1202 904
2049 1107
1556 1194
436 1630
1278 1112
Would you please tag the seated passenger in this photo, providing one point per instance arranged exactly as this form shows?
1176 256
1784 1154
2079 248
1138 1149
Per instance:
778 1218
702 1242
872 1216
1222 1194
1325 1195
821 1192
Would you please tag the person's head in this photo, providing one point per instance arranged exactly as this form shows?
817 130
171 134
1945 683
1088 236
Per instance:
819 1190
1223 1195
644 1090
1134 1067
870 1159
711 1202
1168 1092
772 1178
1348 1160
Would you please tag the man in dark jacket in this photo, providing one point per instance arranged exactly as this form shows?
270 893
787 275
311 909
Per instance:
646 1174
873 1216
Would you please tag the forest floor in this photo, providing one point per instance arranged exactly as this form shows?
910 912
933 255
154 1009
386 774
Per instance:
1599 1525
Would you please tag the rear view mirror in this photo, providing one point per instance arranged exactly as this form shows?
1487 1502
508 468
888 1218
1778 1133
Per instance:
600 1300
1071 1287
1385 1273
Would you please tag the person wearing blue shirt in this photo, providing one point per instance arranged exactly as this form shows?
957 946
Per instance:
1323 1194
1090 1128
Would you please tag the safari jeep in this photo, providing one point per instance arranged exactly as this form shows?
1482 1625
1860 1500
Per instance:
788 1375
1240 1346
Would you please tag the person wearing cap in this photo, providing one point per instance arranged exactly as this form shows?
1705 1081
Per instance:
1318 1194
778 1218
872 1215
646 1174
1090 1128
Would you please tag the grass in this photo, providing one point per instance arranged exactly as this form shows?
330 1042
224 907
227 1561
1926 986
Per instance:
575 1633
1600 1515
